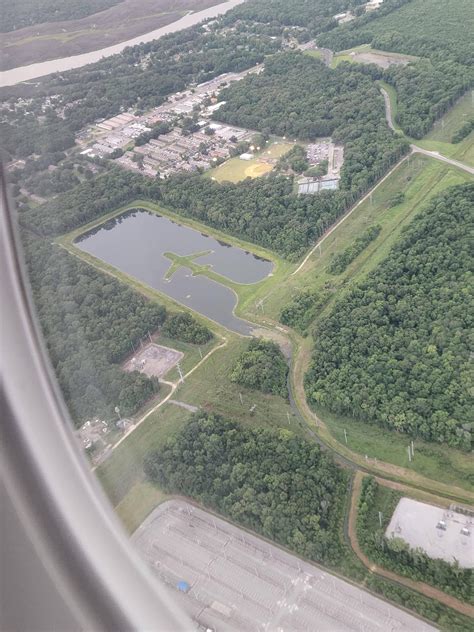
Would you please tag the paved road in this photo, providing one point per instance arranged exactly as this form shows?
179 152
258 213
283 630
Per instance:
437 156
240 583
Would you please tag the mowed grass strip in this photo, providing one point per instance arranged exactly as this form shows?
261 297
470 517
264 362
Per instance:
435 461
208 387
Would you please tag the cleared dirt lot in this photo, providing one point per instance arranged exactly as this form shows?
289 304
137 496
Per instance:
237 582
124 21
153 360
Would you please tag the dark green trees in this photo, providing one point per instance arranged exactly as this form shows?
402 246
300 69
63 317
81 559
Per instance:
91 323
183 326
262 366
395 349
269 481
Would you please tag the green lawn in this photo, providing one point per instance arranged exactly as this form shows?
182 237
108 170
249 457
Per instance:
235 169
142 498
439 138
209 387
432 460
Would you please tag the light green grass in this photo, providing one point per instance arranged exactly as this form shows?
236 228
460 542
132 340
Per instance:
209 387
191 354
124 468
437 462
140 501
236 170
439 138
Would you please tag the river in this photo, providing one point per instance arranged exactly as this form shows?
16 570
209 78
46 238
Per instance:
34 71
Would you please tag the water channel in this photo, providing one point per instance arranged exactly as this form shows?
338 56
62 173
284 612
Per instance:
136 241
33 71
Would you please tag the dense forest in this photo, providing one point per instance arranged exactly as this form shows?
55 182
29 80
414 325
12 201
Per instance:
91 322
396 555
83 203
426 89
270 481
300 97
341 260
312 17
395 350
183 326
20 13
303 308
262 366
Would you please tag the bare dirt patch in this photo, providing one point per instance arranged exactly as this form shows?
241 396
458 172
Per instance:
153 360
121 22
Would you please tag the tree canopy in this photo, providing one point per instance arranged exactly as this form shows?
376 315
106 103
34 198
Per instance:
395 349
270 481
91 322
184 326
263 367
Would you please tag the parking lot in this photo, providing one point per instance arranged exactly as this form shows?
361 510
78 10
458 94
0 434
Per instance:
233 581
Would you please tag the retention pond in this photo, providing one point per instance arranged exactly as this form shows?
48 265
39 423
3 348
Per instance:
136 242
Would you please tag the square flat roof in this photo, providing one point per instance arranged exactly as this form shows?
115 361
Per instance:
419 525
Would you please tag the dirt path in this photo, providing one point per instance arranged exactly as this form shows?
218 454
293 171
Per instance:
380 468
421 587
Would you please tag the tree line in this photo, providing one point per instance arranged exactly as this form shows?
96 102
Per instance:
394 350
303 308
341 260
270 481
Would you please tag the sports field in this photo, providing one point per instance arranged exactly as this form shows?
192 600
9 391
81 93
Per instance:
236 169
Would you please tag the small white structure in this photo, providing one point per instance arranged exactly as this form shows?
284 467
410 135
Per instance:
246 156
442 533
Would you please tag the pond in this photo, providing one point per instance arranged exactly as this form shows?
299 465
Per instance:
135 243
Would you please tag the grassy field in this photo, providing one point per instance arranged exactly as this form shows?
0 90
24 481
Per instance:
236 170
432 460
439 139
210 388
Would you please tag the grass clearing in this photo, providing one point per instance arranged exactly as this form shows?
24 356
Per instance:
236 170
438 462
439 138
208 387
366 54
142 498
